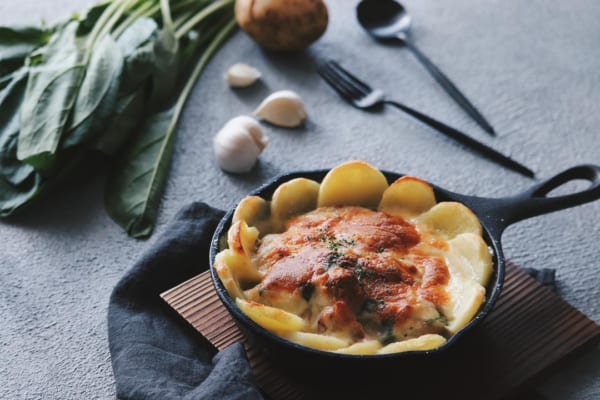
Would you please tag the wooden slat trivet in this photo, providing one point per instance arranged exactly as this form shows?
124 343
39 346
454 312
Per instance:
530 329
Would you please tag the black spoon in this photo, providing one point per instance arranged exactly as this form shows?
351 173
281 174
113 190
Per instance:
388 20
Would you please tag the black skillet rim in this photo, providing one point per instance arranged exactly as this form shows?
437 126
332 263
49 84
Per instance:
266 190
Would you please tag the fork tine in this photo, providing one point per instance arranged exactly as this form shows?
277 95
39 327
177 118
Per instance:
336 84
352 91
353 80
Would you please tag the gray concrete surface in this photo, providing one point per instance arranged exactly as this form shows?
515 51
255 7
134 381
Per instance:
532 68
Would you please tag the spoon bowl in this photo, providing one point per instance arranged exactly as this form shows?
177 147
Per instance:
385 19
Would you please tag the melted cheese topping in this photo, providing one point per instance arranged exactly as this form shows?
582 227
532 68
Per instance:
354 273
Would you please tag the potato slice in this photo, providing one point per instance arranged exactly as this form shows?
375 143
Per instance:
294 197
317 341
226 276
241 238
361 348
477 254
271 318
451 219
255 211
354 183
465 294
466 302
407 194
241 267
422 343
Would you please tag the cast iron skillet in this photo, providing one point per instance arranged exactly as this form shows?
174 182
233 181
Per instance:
495 216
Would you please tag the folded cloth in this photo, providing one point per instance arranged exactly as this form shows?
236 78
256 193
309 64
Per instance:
155 355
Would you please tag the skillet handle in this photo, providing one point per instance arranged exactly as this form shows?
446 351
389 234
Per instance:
500 213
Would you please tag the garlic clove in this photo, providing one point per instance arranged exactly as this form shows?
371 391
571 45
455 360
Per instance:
241 75
283 108
238 144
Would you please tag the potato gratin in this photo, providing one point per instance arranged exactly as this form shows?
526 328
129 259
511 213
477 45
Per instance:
354 265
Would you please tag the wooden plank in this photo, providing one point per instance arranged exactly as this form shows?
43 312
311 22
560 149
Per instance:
529 330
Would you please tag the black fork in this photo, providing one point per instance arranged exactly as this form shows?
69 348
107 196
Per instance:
361 95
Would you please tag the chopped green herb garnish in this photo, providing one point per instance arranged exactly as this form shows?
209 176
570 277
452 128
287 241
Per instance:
348 242
334 246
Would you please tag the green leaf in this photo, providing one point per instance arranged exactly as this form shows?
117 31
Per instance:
138 34
164 74
126 117
135 183
14 197
16 43
97 95
137 44
50 96
11 96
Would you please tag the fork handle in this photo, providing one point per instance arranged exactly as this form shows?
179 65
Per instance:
449 87
465 139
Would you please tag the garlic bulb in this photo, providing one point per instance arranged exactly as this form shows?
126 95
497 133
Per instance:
238 144
284 108
242 75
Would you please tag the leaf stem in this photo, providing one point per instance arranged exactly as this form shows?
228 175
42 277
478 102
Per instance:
106 14
185 28
208 34
208 53
148 9
185 16
125 5
154 10
132 17
184 3
165 11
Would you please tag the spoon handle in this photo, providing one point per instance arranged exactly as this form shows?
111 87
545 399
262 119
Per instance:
449 87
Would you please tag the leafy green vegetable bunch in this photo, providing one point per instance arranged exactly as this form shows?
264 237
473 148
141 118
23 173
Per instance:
113 81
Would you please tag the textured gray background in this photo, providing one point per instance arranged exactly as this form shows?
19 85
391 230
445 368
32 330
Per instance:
531 67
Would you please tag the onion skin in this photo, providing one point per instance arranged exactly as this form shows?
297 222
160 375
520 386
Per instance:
282 25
